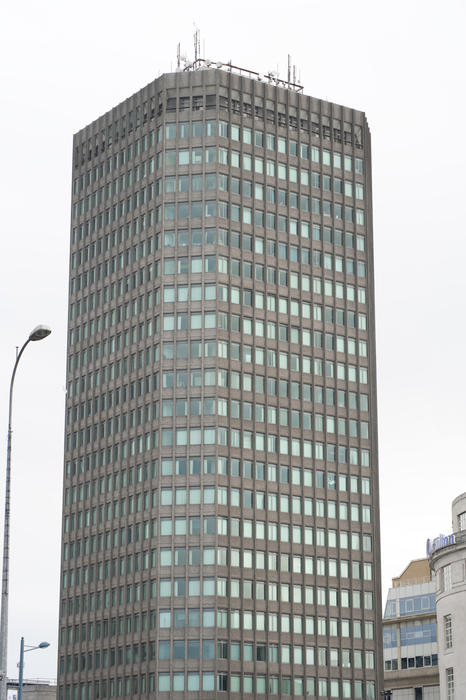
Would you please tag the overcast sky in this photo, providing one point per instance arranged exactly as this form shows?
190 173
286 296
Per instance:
64 64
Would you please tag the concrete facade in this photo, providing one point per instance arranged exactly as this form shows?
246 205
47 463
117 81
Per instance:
33 690
221 518
448 566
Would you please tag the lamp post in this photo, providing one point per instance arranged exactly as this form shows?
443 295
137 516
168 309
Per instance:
22 650
39 333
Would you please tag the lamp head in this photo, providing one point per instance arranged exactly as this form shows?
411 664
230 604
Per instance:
43 645
40 332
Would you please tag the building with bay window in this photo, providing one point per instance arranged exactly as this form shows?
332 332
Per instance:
220 517
448 564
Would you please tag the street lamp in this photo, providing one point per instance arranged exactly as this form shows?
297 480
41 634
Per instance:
22 650
39 333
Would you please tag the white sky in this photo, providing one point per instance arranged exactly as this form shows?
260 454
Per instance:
62 65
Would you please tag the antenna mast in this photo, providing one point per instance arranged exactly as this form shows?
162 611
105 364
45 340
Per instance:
200 63
197 45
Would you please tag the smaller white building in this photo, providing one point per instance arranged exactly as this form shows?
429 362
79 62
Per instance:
448 564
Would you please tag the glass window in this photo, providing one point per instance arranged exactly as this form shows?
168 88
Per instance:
164 682
450 680
448 633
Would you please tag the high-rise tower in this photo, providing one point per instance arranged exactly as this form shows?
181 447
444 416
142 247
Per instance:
220 519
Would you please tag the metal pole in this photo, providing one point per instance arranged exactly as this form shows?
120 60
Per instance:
6 543
21 669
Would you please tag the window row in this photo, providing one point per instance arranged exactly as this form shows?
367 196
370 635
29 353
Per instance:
258 163
257 411
259 272
256 217
413 634
205 183
219 525
245 410
196 349
291 307
245 297
222 437
129 282
244 439
106 193
129 201
196 377
207 465
208 236
223 496
194 588
246 188
210 556
209 292
260 384
238 438
133 253
142 561
411 662
211 236
246 498
180 618
196 265
268 685
196 320
208 649
233 266
245 353
267 653
228 556
194 681
117 160
258 138
195 129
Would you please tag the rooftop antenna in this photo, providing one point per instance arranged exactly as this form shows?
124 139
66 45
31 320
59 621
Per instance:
178 56
197 45
289 70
